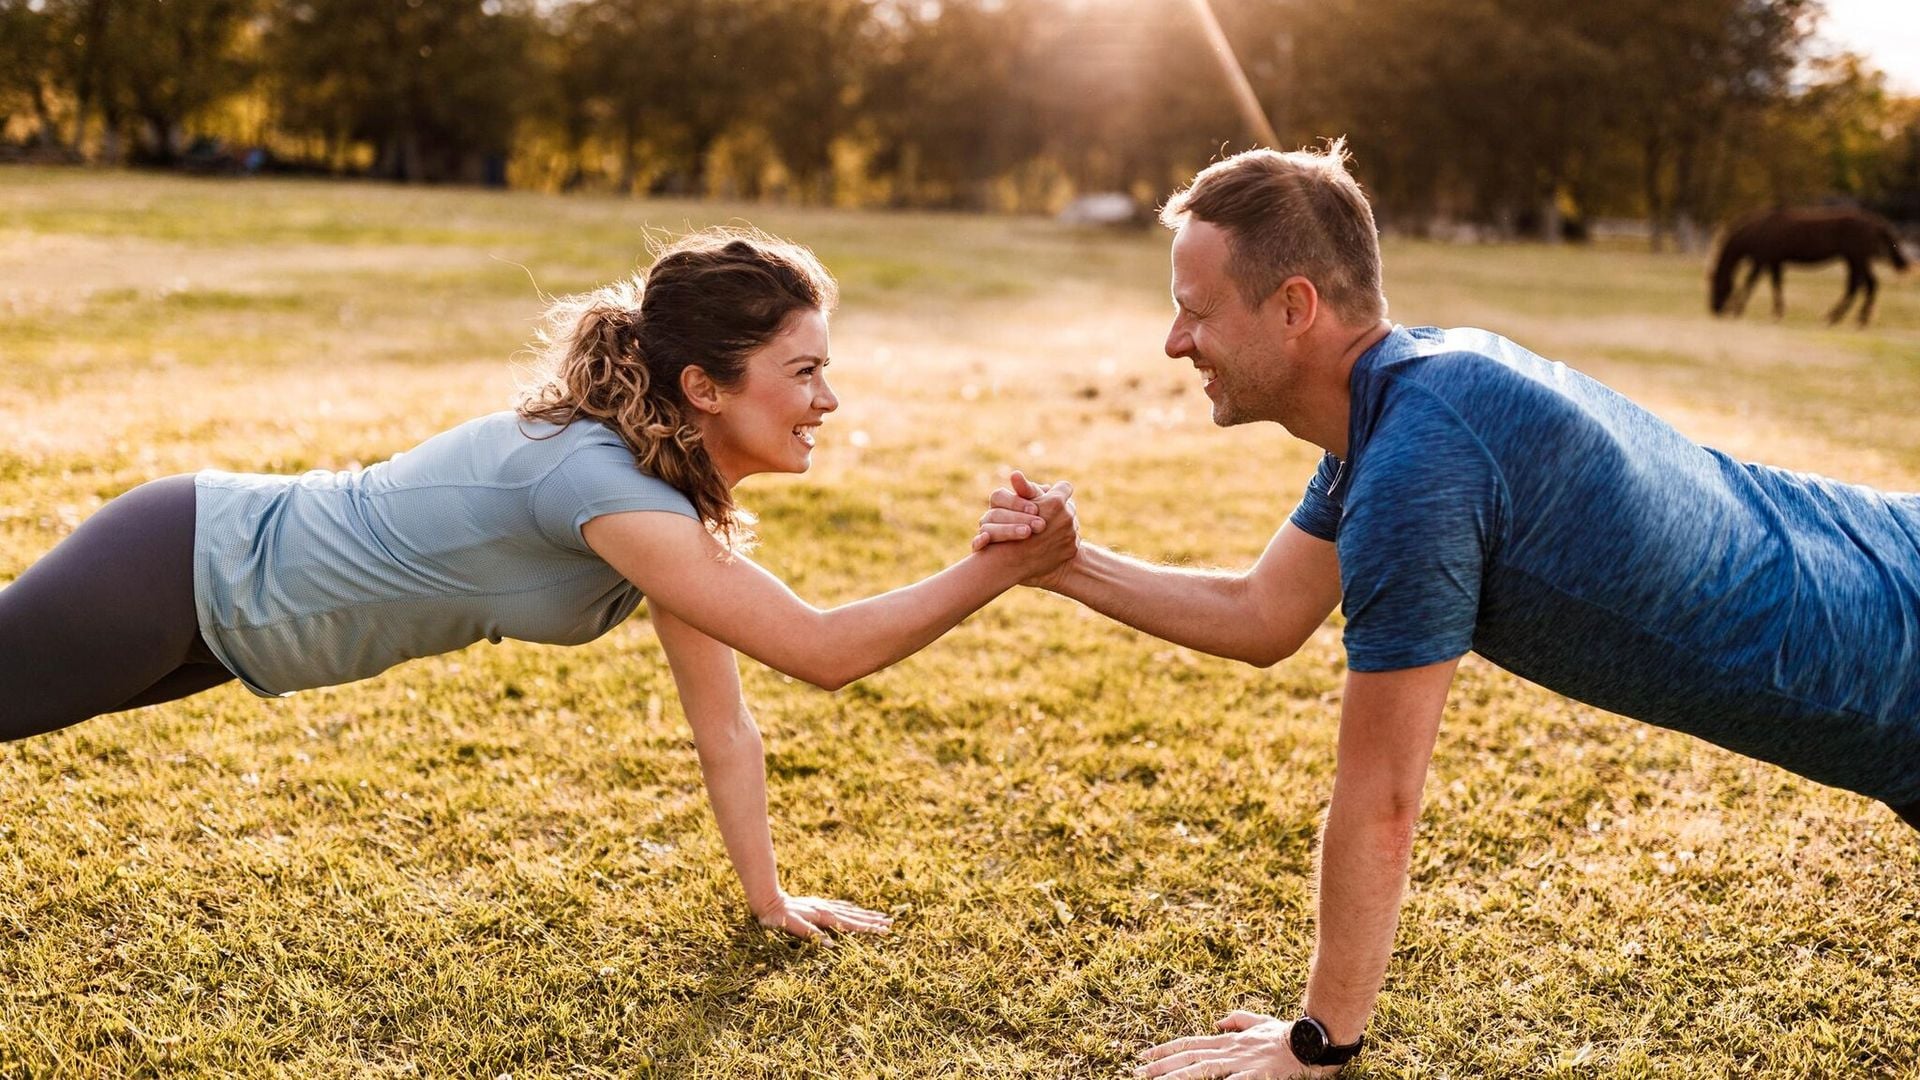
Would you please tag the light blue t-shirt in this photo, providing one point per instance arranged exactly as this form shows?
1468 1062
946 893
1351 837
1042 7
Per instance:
1494 501
313 580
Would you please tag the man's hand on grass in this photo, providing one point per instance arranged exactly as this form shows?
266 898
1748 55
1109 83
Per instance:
1252 1047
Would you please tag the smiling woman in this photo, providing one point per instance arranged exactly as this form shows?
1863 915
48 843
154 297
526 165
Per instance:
613 480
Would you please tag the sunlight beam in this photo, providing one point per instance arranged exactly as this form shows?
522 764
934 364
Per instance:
1250 109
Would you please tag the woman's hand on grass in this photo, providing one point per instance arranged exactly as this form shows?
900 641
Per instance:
810 916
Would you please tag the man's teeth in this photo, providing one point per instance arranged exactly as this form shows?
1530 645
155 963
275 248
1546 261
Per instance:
1206 375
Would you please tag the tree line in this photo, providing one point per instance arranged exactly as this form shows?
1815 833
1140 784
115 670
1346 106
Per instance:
1516 115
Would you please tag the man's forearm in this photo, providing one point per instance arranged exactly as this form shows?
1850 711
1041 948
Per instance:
1209 610
1363 874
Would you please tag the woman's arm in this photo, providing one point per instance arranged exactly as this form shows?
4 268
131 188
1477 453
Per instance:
682 569
734 768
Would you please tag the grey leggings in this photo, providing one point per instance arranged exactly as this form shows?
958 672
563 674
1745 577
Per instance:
105 621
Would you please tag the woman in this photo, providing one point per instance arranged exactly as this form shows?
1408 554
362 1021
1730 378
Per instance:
613 479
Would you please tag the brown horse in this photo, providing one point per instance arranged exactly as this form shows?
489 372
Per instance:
1777 237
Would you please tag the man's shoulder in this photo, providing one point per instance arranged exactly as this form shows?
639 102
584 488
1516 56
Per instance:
1475 373
1439 355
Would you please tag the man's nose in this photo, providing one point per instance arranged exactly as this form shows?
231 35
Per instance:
1179 341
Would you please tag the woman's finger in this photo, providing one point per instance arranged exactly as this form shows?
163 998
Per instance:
843 910
1012 517
857 923
801 928
997 533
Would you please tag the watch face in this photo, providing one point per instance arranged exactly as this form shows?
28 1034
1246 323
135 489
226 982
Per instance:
1307 1041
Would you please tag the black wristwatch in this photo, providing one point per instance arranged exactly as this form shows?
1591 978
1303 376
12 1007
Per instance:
1310 1044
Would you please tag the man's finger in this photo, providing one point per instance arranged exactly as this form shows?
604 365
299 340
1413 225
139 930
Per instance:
1178 1046
1241 1020
1204 1070
1182 1064
1004 499
1024 487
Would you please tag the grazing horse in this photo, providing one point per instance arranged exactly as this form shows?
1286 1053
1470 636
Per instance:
1777 237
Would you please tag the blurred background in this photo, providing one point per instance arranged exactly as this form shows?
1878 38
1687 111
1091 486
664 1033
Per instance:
1653 119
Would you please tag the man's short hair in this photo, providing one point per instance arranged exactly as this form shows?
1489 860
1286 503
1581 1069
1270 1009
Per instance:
1286 214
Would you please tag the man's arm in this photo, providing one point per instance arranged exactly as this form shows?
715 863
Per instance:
1387 727
1260 616
1388 723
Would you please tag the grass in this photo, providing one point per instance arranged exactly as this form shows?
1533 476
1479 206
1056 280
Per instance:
501 861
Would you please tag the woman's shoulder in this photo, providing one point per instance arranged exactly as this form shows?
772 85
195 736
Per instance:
580 432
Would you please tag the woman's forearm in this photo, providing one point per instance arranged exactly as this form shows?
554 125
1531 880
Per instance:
860 638
733 765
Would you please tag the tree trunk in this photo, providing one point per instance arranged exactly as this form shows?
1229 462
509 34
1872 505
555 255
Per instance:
629 154
1653 157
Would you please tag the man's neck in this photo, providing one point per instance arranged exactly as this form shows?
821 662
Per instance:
1325 421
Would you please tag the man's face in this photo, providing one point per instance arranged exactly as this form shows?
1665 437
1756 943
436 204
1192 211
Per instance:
1239 357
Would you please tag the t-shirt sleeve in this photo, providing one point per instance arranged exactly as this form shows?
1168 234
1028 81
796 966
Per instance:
1318 514
597 478
1422 520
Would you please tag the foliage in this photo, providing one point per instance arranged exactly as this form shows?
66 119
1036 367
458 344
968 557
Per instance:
1503 112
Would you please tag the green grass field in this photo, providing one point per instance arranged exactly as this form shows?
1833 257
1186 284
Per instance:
501 862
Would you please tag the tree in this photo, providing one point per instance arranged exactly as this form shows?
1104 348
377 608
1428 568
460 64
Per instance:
437 87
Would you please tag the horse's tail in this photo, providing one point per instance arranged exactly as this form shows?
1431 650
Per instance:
1892 239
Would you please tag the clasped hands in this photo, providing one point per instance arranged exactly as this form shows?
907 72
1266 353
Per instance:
1036 524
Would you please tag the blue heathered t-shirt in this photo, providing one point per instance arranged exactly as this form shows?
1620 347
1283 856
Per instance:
1497 502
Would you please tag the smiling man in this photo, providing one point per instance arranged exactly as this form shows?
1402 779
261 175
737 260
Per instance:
1474 496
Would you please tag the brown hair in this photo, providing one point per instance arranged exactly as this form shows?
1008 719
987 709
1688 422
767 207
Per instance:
615 354
1286 214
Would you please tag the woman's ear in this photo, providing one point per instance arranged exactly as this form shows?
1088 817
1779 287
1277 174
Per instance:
699 389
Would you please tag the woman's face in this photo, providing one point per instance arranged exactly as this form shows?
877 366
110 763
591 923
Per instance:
766 422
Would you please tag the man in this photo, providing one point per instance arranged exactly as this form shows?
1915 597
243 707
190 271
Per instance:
1475 496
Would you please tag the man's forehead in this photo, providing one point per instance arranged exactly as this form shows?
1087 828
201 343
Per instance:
1199 252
